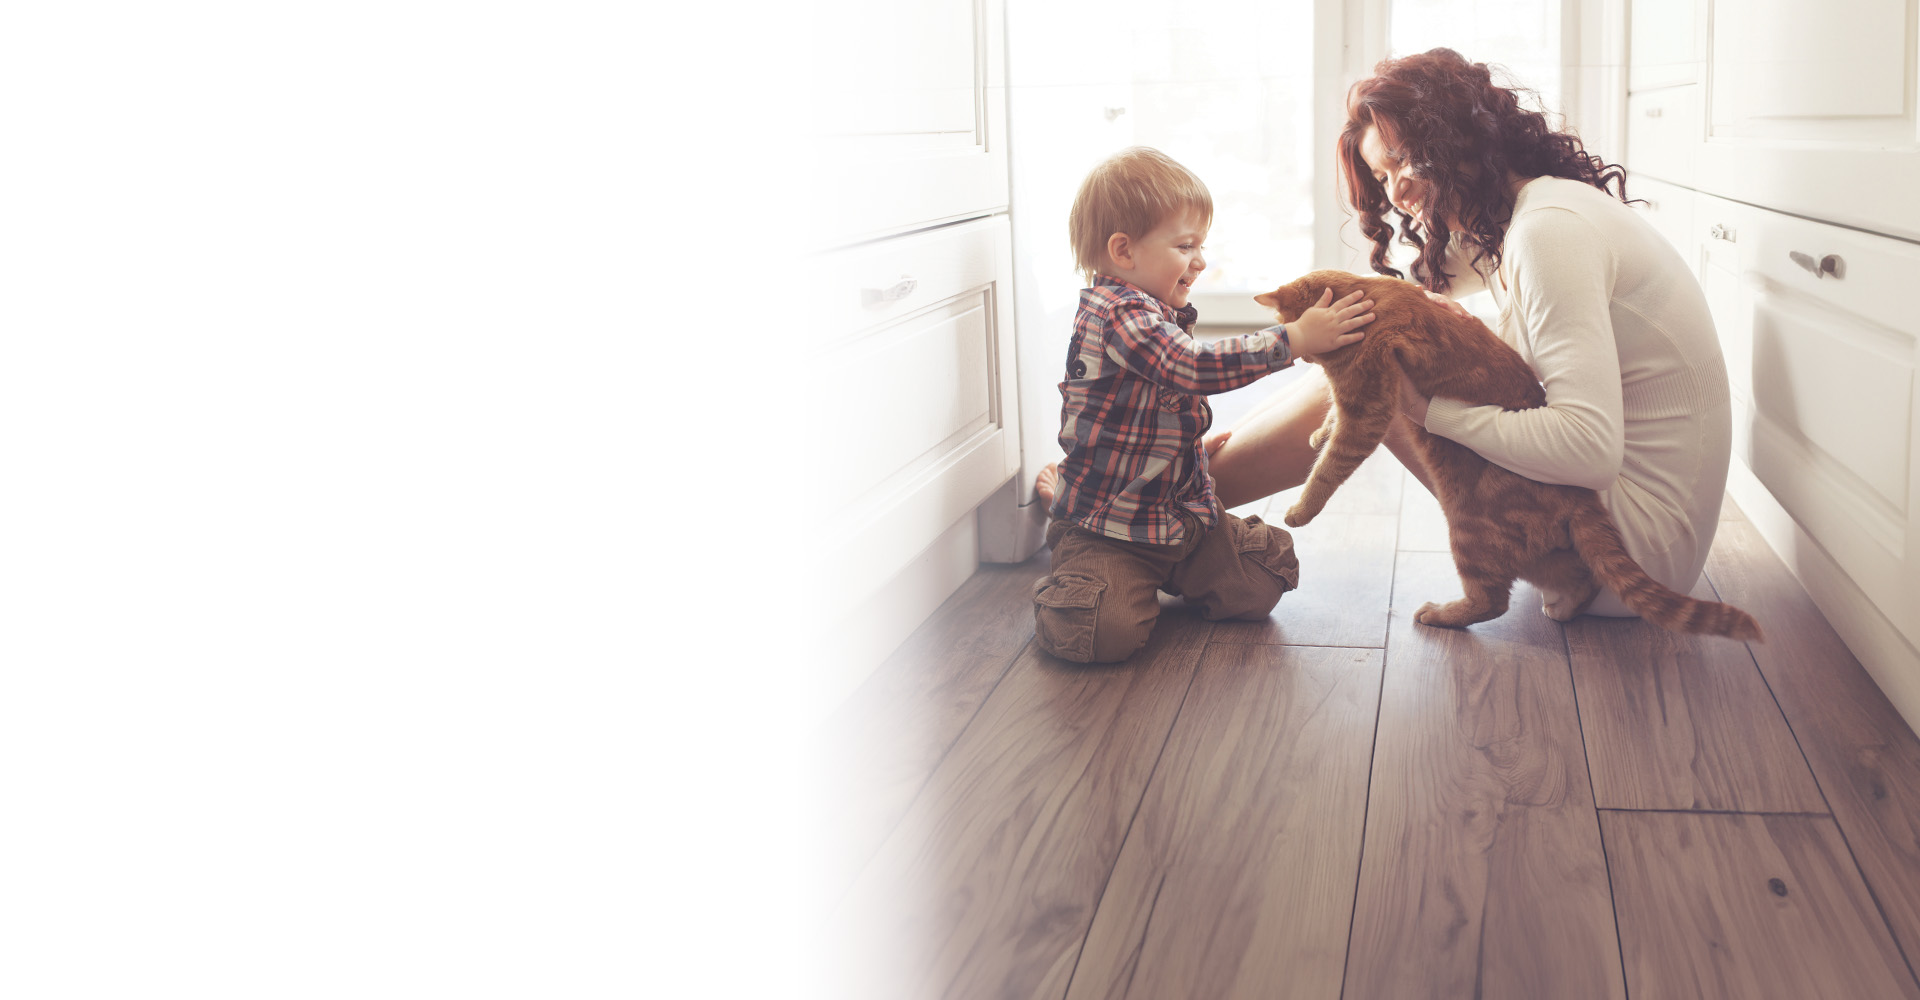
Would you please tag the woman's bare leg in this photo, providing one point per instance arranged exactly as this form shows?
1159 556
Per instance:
1268 452
1400 442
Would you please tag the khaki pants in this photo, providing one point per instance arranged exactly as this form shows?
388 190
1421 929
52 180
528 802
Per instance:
1100 602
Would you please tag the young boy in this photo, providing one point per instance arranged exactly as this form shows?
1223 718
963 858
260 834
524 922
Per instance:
1133 507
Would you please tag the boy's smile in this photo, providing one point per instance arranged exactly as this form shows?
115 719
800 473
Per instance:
1167 260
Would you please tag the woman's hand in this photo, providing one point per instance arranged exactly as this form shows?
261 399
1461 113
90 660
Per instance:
1214 442
1412 404
1329 324
1451 306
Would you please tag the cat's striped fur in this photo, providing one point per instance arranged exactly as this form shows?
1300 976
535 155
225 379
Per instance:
1502 526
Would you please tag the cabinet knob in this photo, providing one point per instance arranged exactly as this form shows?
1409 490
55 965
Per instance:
1655 112
1113 113
1720 232
870 297
1830 264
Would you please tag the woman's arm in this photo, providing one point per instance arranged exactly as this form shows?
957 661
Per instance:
1562 286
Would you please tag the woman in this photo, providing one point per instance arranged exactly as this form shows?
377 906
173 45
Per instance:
1601 306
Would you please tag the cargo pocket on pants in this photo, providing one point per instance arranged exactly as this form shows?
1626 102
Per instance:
1066 610
1271 548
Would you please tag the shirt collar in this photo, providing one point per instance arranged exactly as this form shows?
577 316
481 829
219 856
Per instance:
1184 316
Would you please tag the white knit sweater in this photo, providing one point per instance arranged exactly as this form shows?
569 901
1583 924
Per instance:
1618 330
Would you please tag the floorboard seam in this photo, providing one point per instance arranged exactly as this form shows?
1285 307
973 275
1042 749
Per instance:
880 842
1198 658
1586 757
1852 855
1373 750
1716 812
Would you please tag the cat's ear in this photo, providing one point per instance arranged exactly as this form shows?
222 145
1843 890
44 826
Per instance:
1269 299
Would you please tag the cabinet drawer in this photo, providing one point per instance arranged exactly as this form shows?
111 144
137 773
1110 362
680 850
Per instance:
1664 133
1669 210
869 286
911 417
1823 377
1873 277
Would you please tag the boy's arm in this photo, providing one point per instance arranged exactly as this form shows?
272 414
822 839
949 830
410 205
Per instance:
1146 344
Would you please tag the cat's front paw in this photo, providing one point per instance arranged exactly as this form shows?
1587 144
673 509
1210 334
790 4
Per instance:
1317 438
1298 515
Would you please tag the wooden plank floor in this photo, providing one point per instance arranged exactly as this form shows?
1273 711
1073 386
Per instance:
1337 802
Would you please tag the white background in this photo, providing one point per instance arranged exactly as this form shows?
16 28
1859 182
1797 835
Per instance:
371 624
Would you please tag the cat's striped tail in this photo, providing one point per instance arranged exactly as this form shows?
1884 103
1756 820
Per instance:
1598 541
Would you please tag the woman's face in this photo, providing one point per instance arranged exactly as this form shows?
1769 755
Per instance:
1407 192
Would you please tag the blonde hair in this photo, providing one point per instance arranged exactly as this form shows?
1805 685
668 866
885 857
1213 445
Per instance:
1131 192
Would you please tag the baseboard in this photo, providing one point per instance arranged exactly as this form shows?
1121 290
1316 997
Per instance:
1011 532
1890 659
850 648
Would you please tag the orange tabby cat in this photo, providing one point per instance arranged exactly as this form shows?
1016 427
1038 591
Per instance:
1502 525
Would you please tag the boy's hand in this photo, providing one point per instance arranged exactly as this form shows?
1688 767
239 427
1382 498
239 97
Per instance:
1326 326
1215 441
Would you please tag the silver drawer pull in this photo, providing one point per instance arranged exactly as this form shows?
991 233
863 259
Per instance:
1655 112
1830 264
1113 113
1720 232
871 297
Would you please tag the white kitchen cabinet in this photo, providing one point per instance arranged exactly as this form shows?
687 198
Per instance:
1790 133
1820 341
1810 111
1667 42
916 375
909 414
1663 133
1669 208
909 114
1822 368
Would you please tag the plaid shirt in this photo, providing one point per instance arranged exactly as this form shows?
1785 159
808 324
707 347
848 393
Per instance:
1133 413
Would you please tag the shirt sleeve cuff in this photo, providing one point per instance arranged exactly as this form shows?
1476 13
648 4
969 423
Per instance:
1282 355
1446 417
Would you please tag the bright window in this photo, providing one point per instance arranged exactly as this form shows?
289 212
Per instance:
1521 36
1227 89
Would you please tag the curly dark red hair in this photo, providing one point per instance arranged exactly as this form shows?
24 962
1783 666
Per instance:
1463 135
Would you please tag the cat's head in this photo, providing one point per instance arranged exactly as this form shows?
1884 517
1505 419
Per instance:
1301 294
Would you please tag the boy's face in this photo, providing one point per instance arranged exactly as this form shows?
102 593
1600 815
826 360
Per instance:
1167 260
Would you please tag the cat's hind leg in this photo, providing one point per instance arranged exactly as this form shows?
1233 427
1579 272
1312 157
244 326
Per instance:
1567 587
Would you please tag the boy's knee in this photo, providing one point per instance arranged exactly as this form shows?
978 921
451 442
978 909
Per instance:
1272 567
1265 567
1067 622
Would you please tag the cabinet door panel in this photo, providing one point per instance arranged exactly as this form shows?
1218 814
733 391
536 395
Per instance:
1805 360
1811 111
1666 47
910 121
911 419
901 71
1822 372
1836 59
